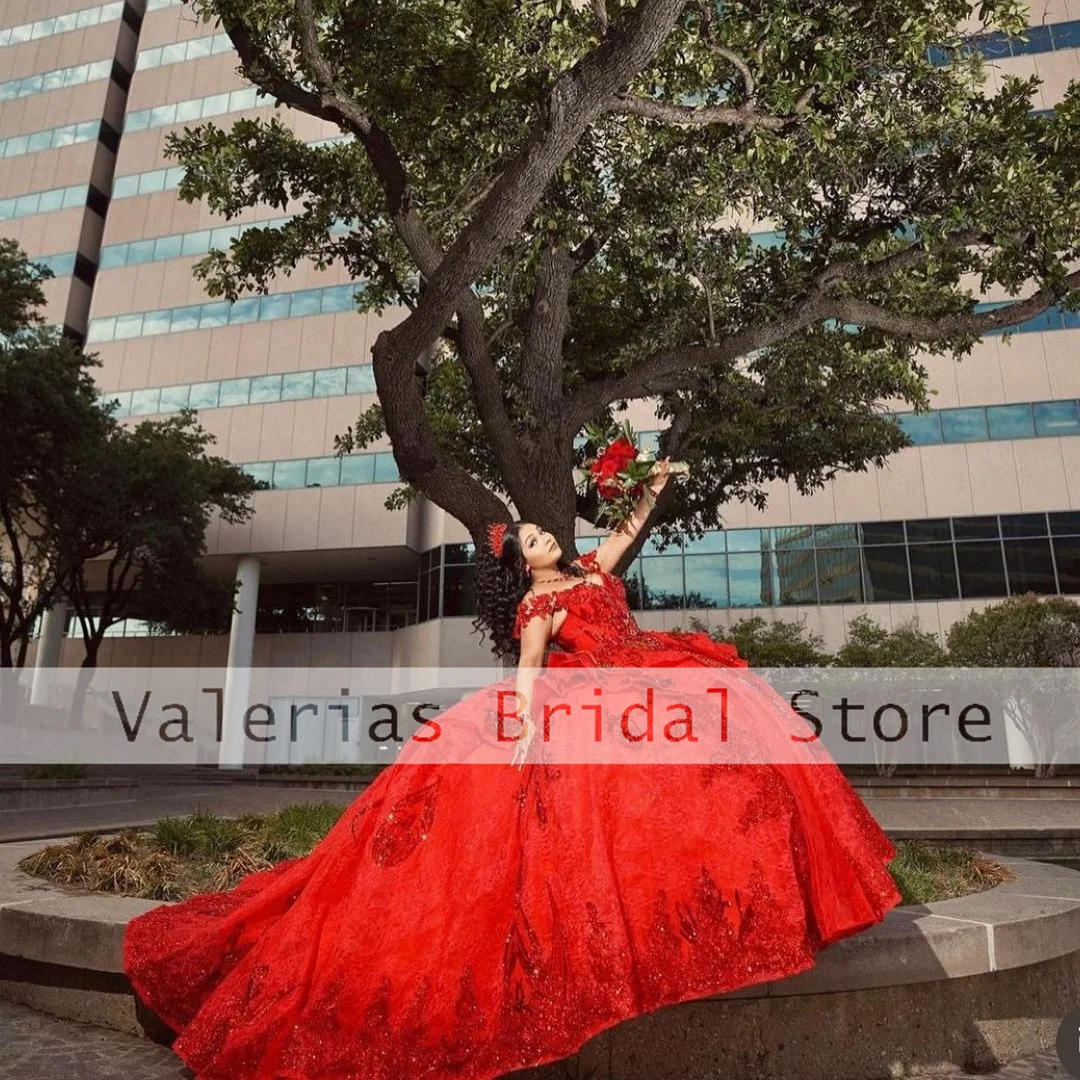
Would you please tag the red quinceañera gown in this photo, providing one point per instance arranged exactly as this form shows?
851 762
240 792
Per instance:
465 921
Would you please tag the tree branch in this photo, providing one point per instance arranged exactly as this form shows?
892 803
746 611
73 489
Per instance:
706 116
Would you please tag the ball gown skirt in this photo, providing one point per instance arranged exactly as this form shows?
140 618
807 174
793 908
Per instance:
465 921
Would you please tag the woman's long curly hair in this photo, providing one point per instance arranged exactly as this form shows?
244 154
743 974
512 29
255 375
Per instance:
501 583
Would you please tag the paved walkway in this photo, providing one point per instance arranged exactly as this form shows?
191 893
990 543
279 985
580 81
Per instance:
38 1047
149 802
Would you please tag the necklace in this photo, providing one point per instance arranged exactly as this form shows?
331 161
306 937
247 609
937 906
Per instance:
560 577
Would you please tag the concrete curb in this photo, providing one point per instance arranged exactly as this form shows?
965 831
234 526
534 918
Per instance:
1020 926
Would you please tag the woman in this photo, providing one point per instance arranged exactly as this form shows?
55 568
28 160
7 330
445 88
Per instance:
468 920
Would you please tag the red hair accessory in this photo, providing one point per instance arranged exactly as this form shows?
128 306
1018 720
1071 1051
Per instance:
496 532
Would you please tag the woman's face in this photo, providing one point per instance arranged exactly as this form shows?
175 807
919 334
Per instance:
538 546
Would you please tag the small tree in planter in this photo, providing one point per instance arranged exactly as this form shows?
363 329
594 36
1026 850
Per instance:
1028 631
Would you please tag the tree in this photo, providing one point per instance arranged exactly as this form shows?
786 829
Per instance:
1028 631
564 210
779 643
129 531
48 408
869 644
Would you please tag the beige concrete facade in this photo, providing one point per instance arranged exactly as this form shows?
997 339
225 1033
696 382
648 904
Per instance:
341 533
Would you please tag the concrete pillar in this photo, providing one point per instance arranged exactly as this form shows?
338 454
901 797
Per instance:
48 653
241 655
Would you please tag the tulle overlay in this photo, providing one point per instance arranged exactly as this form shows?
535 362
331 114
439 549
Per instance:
466 920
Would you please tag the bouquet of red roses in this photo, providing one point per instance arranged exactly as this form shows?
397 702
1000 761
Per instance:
619 470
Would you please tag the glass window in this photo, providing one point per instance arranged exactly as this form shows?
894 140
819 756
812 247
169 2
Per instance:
1023 525
167 247
157 322
222 43
653 546
112 256
1065 523
244 311
459 590
305 303
122 398
713 540
274 307
750 576
632 584
265 388
290 474
976 528
173 54
215 105
242 99
1067 556
185 318
330 382
161 115
386 471
26 205
323 472
174 398
839 574
886 573
297 385
140 251
196 243
460 553
200 47
745 539
1066 35
923 429
930 529
1010 421
221 238
361 379
187 111
214 315
149 58
706 581
878 532
338 298
152 182
261 470
128 326
796 537
144 402
933 572
101 329
982 569
204 395
836 536
1057 418
1030 566
663 582
123 186
964 425
234 392
73 197
358 469
796 575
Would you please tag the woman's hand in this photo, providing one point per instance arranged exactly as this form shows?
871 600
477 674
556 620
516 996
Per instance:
524 741
660 475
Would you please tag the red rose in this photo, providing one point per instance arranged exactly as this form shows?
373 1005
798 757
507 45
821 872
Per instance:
611 462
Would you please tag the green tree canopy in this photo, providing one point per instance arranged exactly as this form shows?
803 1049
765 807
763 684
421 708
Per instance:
564 198
48 409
